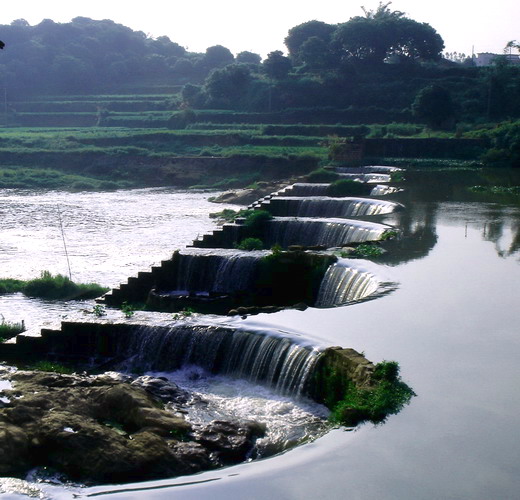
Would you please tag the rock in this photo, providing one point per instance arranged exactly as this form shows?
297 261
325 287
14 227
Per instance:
14 449
162 389
111 429
232 442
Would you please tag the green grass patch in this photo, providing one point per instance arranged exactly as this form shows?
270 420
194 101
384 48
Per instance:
60 287
366 251
10 329
48 366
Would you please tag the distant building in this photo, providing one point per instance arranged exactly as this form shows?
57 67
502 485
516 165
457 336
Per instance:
487 58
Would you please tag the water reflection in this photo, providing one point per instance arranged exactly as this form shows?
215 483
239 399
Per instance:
417 234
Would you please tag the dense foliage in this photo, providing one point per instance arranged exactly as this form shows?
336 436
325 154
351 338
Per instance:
369 69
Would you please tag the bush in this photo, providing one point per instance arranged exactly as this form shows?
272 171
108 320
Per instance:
322 175
348 187
8 285
388 397
251 244
60 287
256 219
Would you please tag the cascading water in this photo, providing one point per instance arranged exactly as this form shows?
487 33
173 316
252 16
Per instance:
276 361
328 207
315 189
345 282
322 232
212 271
305 189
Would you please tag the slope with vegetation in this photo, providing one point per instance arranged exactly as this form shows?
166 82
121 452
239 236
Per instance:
100 106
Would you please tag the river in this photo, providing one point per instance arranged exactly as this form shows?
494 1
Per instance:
452 323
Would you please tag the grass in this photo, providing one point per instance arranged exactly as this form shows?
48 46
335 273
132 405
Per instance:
366 251
60 287
48 366
9 330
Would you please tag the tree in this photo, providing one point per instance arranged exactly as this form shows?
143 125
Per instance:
383 33
228 85
434 105
277 66
298 35
218 56
247 57
316 54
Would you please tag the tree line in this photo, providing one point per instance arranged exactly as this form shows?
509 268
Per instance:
381 61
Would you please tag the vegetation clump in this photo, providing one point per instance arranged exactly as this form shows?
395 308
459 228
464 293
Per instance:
366 251
322 175
48 366
9 329
60 287
348 187
251 244
387 396
256 219
8 285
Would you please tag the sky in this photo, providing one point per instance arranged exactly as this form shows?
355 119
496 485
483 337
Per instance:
261 26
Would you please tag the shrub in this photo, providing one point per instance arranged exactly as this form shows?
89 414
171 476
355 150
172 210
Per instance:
387 397
256 219
8 285
251 244
322 175
366 250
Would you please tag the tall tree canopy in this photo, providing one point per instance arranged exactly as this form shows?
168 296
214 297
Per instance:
383 33
298 35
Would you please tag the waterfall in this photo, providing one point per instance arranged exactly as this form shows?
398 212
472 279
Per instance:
275 360
322 232
344 283
306 189
214 271
327 207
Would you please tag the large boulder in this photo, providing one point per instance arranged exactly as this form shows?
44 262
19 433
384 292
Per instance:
104 429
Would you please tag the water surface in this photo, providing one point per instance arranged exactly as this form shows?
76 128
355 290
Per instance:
452 324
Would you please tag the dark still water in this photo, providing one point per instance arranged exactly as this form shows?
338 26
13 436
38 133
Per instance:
453 325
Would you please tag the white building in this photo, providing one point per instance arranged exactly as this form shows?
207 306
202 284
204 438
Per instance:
487 58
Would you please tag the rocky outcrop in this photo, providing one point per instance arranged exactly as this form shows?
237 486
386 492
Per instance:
103 429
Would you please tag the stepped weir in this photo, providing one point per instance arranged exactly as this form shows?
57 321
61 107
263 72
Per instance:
218 279
327 207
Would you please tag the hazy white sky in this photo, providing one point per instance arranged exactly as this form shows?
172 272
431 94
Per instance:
261 26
